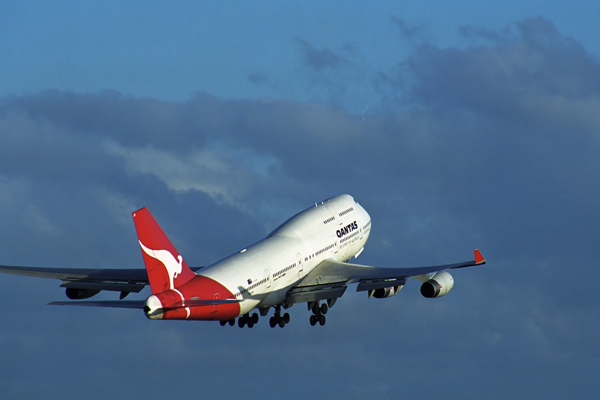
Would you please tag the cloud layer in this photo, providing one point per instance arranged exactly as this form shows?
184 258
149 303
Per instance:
492 146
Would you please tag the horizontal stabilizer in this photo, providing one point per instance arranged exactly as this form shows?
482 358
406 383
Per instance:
138 304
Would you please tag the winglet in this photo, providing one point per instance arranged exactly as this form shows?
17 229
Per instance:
479 258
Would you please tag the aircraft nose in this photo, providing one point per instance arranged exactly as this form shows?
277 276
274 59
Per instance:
365 217
153 308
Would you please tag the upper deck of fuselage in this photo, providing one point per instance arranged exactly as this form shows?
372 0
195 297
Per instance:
282 244
310 221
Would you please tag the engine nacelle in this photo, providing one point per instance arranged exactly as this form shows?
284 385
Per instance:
382 293
439 285
78 294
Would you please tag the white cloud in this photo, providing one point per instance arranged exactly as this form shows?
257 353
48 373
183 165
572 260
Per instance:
227 175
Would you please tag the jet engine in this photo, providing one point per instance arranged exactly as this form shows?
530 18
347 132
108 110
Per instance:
78 294
382 293
438 285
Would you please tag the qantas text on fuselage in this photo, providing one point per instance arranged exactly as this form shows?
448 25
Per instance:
347 229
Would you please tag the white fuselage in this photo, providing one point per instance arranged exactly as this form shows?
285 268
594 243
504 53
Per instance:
262 274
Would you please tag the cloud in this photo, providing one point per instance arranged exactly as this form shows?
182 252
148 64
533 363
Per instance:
319 59
258 78
224 174
411 32
531 60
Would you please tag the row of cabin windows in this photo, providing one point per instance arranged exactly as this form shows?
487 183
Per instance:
346 211
310 256
251 287
331 246
276 274
349 237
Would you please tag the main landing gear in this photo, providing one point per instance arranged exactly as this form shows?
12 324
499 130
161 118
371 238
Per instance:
231 322
278 319
244 320
319 311
318 316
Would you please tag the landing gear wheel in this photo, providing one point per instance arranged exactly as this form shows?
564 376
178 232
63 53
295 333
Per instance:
254 318
250 324
324 308
322 320
281 322
241 322
273 322
316 309
223 323
286 318
313 320
232 322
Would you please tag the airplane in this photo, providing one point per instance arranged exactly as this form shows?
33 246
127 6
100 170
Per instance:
304 260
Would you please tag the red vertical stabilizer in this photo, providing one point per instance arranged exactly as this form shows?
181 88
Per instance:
166 267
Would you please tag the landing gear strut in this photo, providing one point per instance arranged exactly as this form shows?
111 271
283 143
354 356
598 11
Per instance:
278 319
319 311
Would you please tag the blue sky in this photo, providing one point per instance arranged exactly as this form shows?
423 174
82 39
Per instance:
170 50
456 126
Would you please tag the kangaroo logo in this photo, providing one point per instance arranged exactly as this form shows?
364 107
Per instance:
172 265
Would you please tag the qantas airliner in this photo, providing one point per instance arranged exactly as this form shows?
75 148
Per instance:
304 260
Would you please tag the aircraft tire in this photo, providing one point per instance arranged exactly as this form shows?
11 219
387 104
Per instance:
286 318
223 323
255 318
316 309
313 320
322 320
281 322
232 322
241 322
272 322
324 308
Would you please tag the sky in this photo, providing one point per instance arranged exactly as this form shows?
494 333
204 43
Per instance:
456 126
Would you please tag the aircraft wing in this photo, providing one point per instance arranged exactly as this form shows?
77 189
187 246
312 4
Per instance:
118 280
328 280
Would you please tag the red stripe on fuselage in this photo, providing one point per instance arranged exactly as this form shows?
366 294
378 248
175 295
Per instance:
199 288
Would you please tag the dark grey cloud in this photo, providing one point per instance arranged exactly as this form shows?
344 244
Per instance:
491 146
529 61
258 78
413 33
335 76
319 59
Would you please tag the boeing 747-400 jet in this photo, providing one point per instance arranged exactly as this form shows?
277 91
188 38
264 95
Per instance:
304 260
